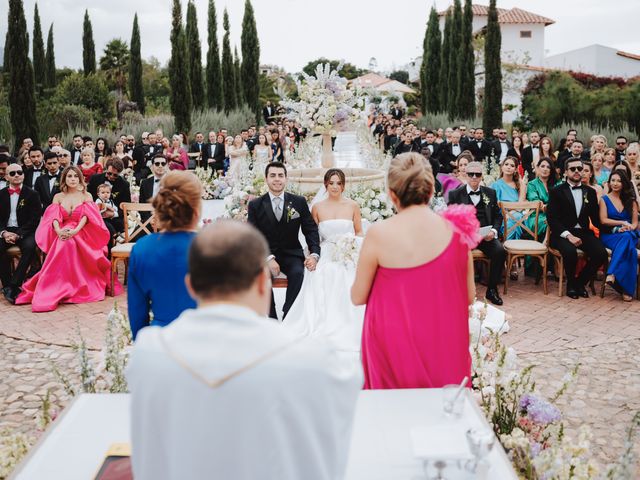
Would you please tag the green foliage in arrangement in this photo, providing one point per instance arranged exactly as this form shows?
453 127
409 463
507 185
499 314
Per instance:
214 73
250 69
556 98
20 80
492 111
88 46
136 87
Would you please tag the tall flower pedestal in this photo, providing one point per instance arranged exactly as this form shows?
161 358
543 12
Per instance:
327 158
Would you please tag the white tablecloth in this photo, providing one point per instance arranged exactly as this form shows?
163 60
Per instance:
75 444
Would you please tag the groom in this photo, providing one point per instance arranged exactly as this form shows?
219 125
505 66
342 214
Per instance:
279 216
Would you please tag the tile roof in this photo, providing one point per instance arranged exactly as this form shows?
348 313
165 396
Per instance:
632 56
514 15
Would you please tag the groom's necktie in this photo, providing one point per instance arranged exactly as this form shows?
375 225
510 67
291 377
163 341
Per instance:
277 207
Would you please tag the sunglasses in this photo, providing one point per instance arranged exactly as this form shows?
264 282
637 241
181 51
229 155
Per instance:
474 174
576 169
110 174
15 172
159 164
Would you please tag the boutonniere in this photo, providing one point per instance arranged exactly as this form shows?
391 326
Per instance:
114 194
584 197
292 213
56 184
21 204
485 199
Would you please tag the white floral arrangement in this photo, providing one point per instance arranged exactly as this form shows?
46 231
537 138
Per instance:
307 153
370 152
373 201
325 103
437 203
134 189
213 186
491 171
346 249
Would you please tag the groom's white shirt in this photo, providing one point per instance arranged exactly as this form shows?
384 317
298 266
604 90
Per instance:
224 393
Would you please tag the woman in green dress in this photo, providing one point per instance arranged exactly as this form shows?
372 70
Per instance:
538 190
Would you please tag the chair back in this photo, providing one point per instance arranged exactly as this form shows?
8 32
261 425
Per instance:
147 225
518 213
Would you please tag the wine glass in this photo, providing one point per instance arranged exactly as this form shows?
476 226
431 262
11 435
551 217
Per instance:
481 441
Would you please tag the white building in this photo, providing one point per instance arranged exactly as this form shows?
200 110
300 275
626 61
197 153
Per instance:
597 60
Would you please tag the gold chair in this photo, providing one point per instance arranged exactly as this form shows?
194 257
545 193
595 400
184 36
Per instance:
517 213
280 281
121 252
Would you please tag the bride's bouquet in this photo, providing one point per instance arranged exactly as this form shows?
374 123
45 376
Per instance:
324 101
346 249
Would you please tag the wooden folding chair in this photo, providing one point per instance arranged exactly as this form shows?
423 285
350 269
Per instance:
517 213
122 252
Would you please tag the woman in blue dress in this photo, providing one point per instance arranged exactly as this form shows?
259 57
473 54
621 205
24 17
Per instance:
511 187
619 219
157 294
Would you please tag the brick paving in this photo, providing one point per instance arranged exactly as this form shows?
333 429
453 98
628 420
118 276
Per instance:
553 333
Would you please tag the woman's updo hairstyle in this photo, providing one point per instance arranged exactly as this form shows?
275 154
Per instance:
178 201
410 178
334 171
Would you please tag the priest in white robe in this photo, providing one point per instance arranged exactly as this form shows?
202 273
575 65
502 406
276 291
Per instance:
224 392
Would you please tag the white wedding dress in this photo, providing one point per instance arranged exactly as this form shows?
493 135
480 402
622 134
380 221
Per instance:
323 307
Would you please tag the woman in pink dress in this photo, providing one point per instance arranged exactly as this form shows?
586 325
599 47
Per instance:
176 155
74 237
415 273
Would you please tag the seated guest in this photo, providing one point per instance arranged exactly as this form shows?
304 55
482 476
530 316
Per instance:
74 239
89 166
48 185
619 219
510 187
489 214
108 210
199 147
235 380
20 212
36 168
176 155
449 152
589 178
120 191
480 148
571 206
158 261
150 186
4 163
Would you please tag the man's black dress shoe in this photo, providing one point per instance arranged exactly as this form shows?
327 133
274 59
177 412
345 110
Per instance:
10 293
571 293
583 293
493 296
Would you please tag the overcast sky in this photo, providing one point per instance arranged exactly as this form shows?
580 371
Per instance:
293 32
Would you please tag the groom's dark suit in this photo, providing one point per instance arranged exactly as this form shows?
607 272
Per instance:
283 238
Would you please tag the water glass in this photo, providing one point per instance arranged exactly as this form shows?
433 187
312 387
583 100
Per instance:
452 401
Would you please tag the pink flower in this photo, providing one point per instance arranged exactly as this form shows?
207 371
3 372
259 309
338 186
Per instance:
464 221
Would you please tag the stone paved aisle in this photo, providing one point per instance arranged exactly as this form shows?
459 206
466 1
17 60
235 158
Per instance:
550 332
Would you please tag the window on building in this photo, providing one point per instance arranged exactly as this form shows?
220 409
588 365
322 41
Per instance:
525 33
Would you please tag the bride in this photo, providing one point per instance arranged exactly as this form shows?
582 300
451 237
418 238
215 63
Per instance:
323 307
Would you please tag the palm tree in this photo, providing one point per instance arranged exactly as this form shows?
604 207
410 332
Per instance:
114 63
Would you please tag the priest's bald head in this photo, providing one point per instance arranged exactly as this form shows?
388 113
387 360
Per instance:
227 263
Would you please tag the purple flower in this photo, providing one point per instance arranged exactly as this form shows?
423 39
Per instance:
341 115
536 448
538 410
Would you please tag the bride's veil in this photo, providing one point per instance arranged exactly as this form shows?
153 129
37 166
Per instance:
321 195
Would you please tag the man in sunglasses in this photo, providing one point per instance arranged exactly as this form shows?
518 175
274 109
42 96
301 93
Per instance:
621 146
571 206
20 212
48 185
150 186
488 213
120 191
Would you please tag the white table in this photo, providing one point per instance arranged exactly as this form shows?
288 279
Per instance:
74 446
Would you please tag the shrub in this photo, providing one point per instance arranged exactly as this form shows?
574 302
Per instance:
89 91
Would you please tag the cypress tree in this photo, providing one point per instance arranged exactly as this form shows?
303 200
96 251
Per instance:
214 75
431 64
467 98
444 64
455 60
22 102
50 62
38 51
250 45
237 74
179 74
194 50
136 90
492 113
88 47
228 74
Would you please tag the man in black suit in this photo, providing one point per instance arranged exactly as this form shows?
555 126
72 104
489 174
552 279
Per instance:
577 152
214 153
4 163
571 206
480 148
280 215
198 147
406 144
36 169
531 154
120 191
76 150
501 145
489 214
396 112
48 185
20 212
268 112
150 186
449 152
564 152
621 146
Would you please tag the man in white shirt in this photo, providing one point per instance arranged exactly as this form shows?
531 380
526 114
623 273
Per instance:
225 392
